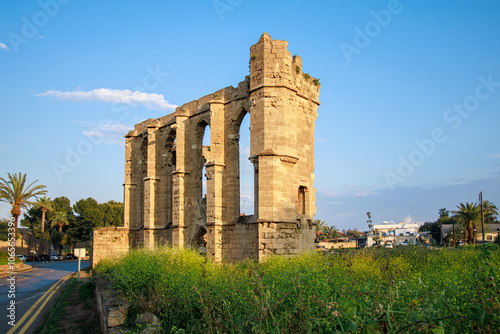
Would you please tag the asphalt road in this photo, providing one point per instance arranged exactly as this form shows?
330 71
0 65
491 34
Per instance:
32 288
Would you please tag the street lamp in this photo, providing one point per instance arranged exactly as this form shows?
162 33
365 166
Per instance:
474 236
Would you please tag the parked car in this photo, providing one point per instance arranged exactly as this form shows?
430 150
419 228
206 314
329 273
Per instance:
42 257
60 257
70 257
389 244
54 258
29 258
22 257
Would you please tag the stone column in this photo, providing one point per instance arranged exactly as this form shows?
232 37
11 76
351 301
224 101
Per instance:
150 184
215 169
214 211
179 237
129 187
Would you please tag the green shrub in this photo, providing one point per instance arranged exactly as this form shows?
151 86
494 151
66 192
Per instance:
371 290
4 258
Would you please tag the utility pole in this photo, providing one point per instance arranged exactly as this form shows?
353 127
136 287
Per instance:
482 214
441 235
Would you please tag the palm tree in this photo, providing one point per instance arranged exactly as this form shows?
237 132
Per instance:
369 221
45 204
319 228
469 214
490 211
443 212
14 192
331 232
60 219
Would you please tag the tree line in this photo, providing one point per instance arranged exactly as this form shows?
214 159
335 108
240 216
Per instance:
55 219
466 218
323 231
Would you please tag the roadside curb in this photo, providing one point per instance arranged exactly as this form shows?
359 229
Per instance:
23 269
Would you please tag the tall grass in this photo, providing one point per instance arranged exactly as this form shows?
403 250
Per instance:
406 290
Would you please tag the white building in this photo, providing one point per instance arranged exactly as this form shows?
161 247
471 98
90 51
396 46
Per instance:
404 232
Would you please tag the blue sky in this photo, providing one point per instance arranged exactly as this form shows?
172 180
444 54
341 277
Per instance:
410 95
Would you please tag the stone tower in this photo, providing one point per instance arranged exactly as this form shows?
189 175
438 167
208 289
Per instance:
165 157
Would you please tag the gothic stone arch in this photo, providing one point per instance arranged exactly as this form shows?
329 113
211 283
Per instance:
164 158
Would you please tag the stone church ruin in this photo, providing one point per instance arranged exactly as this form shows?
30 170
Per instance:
165 159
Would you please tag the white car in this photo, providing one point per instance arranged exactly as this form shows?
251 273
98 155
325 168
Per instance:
54 258
22 257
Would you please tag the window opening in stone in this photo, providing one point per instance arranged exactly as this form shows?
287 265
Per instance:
302 200
246 169
205 153
169 166
198 227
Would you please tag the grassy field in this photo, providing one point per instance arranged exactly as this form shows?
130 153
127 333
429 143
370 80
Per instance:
400 290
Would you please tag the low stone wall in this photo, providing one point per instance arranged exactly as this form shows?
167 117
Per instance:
337 245
111 305
24 243
6 267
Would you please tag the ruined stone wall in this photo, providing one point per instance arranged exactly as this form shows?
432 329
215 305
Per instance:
239 239
165 159
108 242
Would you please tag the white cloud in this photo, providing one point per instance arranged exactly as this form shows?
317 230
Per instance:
3 47
126 96
497 156
110 132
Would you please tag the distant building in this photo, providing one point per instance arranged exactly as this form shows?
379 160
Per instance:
397 233
491 232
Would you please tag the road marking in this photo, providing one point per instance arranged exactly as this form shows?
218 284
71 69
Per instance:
38 294
50 292
28 324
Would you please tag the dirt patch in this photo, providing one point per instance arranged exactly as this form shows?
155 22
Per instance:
80 313
75 310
